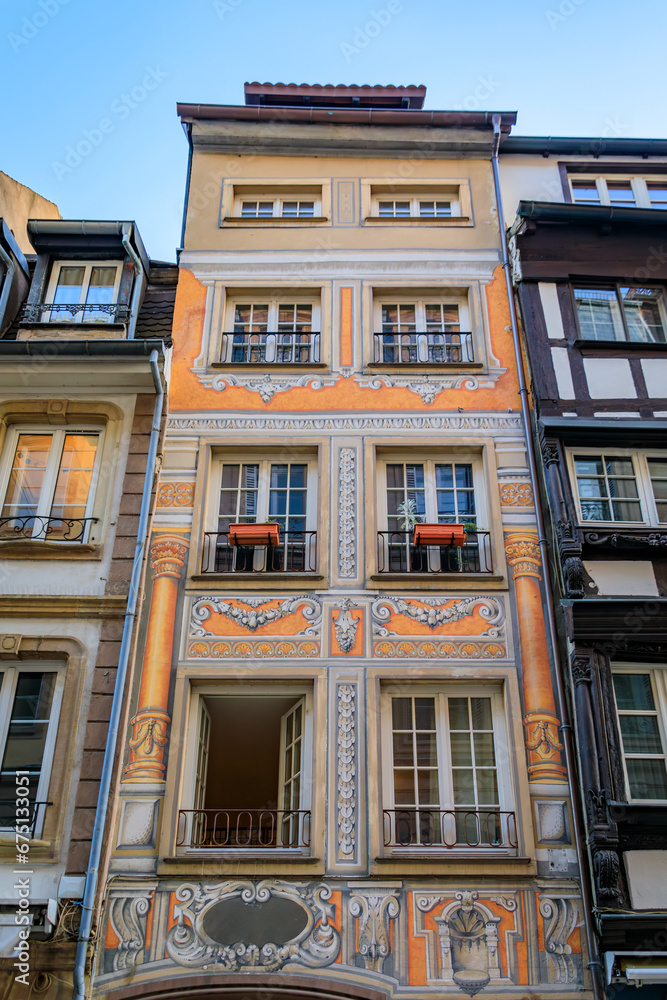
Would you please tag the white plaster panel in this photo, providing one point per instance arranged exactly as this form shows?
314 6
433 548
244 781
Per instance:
561 364
609 378
551 310
627 579
647 879
655 376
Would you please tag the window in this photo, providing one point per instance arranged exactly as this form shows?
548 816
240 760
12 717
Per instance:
626 313
286 208
48 484
442 783
254 202
397 202
641 705
263 492
433 492
272 332
264 800
29 706
621 487
83 292
619 191
423 331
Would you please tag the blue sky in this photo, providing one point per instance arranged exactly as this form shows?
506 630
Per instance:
111 74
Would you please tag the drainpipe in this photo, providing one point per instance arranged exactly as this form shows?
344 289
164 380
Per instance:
96 844
7 283
582 855
139 281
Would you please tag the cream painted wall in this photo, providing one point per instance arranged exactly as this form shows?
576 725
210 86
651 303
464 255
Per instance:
19 203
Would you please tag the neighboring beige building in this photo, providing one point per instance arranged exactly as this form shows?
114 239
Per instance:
19 203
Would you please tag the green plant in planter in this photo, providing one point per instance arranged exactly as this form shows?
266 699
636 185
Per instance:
408 511
471 528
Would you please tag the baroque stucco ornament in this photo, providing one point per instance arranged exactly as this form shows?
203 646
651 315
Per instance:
346 625
427 388
346 771
373 912
254 612
267 386
347 526
190 944
436 612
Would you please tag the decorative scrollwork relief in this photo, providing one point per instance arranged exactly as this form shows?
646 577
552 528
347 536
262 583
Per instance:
437 422
345 626
346 771
561 918
516 495
175 495
428 389
373 913
267 386
128 915
191 943
254 612
347 505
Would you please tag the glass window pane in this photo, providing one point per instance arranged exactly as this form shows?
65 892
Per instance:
619 467
464 787
425 713
487 787
641 734
620 193
599 314
647 779
101 287
485 754
643 314
74 476
657 195
481 713
27 475
404 788
230 476
70 284
458 714
427 784
461 750
403 750
426 750
588 465
401 710
633 692
279 476
585 191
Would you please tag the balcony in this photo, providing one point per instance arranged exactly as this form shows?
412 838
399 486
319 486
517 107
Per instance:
424 348
397 553
271 348
243 829
45 529
49 312
450 829
295 553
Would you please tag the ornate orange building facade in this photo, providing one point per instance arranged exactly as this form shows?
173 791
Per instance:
343 770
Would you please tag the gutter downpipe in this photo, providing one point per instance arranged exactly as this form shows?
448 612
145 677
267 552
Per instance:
7 283
594 963
139 281
96 843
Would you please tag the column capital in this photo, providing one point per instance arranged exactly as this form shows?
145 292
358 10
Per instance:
167 555
523 554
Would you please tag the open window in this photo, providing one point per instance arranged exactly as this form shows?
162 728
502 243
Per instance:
443 786
277 496
263 801
47 480
30 697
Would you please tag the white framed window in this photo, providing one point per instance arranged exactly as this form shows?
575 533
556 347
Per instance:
264 801
443 785
641 707
621 312
444 490
619 191
422 330
83 291
30 699
47 482
416 204
617 486
263 490
272 331
278 206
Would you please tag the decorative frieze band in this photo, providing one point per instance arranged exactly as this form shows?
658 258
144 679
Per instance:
346 772
347 513
439 422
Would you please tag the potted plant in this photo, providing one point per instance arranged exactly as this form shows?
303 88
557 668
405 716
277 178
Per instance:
408 511
254 534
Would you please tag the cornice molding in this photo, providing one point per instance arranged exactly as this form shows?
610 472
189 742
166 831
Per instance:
62 606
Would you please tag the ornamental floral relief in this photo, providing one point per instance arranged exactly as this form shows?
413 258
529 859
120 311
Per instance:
438 613
463 422
516 495
252 613
267 386
346 771
347 509
175 495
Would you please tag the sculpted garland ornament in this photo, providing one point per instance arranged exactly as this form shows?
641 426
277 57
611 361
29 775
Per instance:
346 804
255 612
204 914
267 386
438 612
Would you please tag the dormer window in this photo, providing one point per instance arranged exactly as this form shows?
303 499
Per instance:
83 292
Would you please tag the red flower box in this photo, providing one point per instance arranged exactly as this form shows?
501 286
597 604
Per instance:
440 534
254 534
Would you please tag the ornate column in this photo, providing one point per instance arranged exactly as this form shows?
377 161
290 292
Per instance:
540 720
149 726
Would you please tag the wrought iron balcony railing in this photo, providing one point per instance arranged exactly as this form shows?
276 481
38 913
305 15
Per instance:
450 828
271 348
424 348
65 312
46 529
397 553
243 829
295 553
9 818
